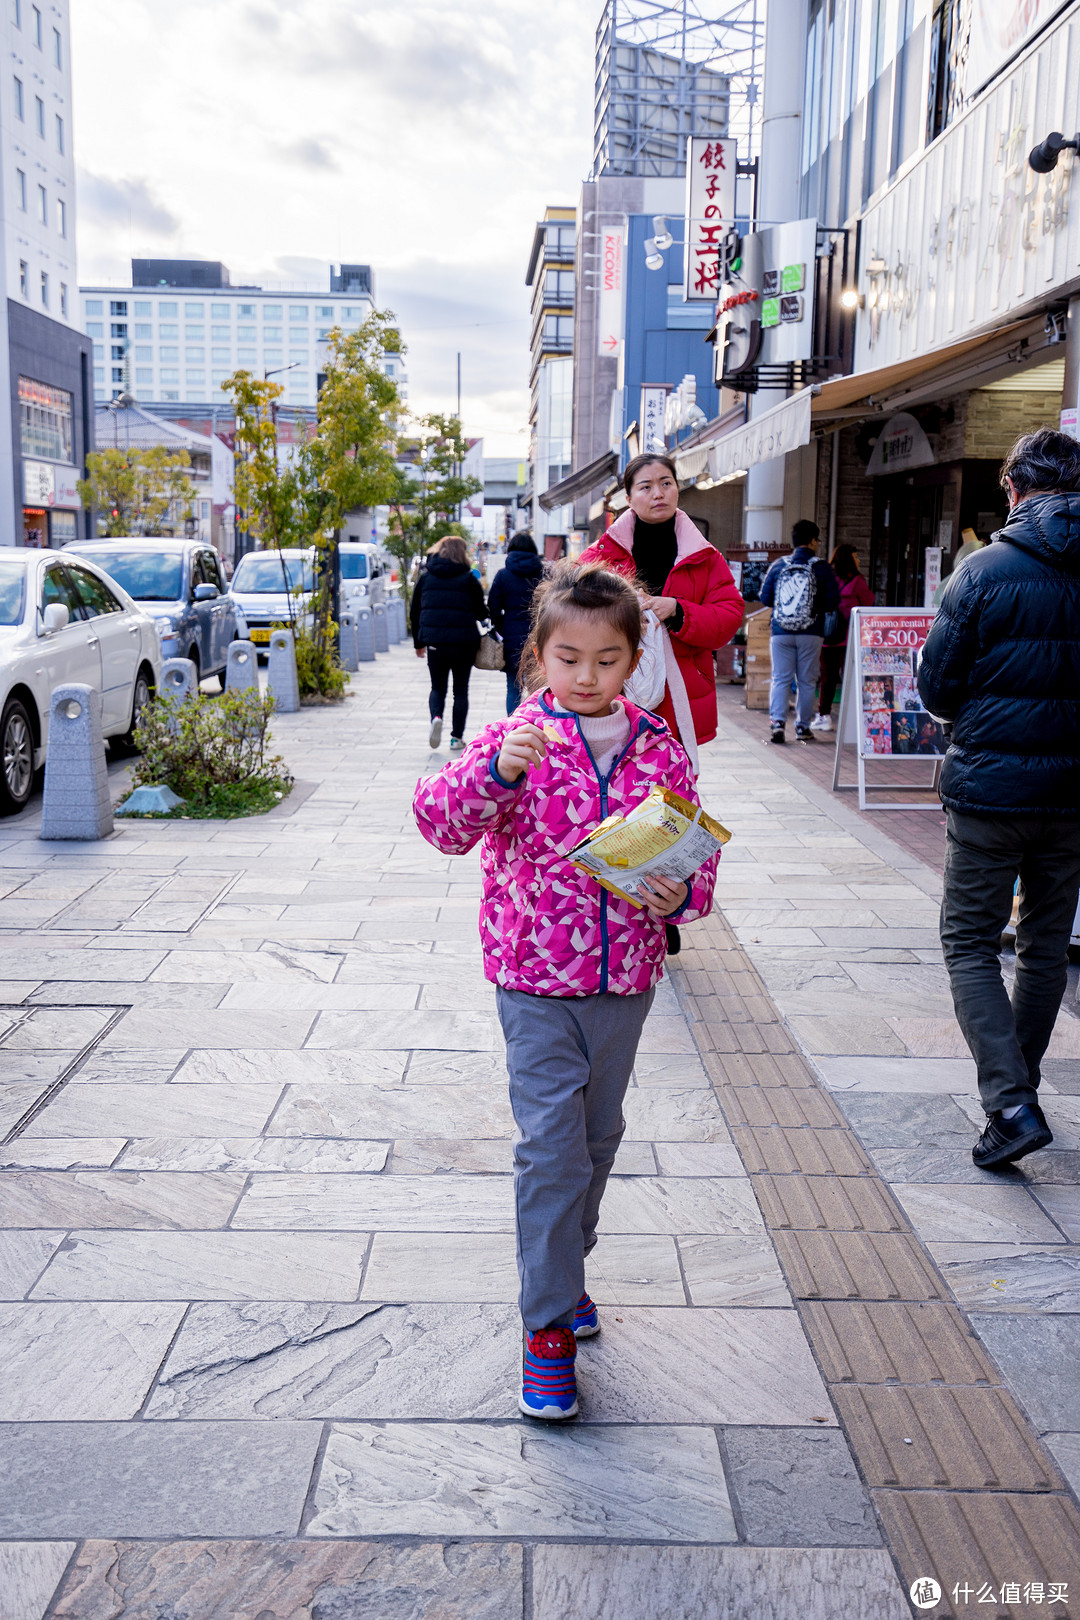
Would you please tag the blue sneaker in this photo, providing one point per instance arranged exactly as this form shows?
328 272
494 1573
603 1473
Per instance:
548 1385
586 1321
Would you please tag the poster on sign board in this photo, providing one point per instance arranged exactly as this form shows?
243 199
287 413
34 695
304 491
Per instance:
881 712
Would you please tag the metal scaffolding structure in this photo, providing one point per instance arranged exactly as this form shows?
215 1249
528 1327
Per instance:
666 71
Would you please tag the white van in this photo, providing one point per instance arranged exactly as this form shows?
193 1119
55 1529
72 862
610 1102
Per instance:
366 572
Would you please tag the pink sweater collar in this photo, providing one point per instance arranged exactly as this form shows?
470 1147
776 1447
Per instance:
688 537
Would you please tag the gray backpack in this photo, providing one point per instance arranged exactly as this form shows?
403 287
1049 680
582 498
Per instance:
793 602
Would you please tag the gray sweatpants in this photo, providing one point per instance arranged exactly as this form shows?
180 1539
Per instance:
570 1060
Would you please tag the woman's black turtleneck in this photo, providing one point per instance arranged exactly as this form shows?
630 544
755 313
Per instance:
655 551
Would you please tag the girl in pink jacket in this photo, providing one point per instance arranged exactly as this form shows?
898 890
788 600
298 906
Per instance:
575 966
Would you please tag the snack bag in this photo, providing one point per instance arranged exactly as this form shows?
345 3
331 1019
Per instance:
664 833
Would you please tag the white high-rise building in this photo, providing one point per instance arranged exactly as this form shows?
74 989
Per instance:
181 329
46 412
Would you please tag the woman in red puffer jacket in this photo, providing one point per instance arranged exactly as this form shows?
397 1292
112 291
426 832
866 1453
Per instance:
686 582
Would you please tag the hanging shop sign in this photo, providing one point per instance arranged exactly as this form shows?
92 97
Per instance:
881 713
788 256
710 212
738 313
653 406
609 328
50 483
902 444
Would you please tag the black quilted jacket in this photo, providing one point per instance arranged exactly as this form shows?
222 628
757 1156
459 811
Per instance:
1002 662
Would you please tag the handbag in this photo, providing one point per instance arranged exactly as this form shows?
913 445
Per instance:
834 624
491 654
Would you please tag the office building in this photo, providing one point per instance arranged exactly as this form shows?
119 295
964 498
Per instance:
46 410
550 275
180 329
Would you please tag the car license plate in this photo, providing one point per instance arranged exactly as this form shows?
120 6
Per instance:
260 635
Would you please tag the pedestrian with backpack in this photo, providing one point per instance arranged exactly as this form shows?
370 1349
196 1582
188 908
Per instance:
801 590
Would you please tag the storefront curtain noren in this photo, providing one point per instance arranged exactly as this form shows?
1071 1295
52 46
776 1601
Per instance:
45 421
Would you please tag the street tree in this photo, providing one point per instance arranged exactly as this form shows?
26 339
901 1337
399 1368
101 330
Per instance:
429 488
138 491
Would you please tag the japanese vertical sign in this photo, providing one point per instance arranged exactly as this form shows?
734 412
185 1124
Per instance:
609 328
653 405
710 212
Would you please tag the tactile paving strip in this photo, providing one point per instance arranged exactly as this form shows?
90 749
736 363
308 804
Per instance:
871 1342
828 1204
757 1106
989 1541
974 1502
790 1150
954 1438
857 1265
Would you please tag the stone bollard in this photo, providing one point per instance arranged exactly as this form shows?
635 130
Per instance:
347 639
378 623
241 667
76 802
365 636
402 618
179 678
393 634
282 681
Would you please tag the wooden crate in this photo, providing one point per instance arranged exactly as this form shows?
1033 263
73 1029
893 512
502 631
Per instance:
757 691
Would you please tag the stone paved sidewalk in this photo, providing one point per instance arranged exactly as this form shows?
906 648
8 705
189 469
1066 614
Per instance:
260 1350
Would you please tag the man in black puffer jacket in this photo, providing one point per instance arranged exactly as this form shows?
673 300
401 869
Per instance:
1002 662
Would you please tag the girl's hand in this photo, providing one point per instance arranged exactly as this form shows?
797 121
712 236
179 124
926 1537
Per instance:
662 606
666 896
522 747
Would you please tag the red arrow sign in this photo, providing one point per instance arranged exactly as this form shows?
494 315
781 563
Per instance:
611 343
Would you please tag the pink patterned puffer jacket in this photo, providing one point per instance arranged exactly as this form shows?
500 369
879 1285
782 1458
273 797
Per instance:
546 927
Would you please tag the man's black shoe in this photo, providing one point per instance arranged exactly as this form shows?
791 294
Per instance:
1006 1140
778 735
804 734
674 942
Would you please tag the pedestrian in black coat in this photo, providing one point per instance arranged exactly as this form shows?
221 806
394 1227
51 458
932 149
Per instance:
448 599
1002 662
510 607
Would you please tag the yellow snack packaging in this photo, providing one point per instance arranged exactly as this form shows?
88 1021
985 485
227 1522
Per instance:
664 833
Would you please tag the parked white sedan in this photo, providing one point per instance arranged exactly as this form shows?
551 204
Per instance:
64 620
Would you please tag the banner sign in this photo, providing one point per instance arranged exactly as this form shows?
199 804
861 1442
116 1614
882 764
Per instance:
774 433
999 29
50 483
653 406
710 211
881 712
609 329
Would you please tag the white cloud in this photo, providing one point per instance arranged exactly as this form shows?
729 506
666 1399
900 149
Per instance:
424 139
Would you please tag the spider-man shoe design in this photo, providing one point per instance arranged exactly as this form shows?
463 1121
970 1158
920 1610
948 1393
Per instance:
548 1385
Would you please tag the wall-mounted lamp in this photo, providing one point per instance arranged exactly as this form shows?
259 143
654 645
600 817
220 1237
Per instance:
654 259
851 298
661 235
1043 158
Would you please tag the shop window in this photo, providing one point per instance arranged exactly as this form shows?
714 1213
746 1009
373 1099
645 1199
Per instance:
946 93
45 417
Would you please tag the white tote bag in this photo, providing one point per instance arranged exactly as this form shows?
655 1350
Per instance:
658 670
645 686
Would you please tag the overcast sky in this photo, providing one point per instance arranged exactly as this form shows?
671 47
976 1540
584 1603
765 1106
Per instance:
424 137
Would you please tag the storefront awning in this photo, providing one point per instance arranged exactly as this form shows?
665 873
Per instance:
887 389
581 482
767 436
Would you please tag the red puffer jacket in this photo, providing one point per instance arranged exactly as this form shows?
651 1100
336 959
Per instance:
712 609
